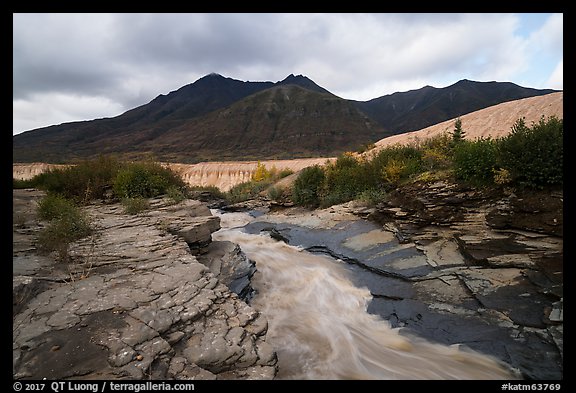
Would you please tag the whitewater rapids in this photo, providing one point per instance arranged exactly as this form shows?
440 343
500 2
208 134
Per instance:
320 327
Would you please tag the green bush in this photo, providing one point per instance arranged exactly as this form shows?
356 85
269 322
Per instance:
307 186
345 179
437 152
135 205
145 179
260 181
475 161
372 196
394 164
55 206
91 179
83 182
276 193
534 155
529 156
175 194
67 224
351 178
247 190
284 173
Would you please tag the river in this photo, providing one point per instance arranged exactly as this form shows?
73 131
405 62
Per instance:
320 327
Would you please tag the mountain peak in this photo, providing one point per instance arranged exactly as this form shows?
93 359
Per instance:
292 77
302 81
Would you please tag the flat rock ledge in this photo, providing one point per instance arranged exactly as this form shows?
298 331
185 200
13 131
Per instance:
135 303
497 254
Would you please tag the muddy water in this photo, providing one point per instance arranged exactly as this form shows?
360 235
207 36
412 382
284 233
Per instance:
319 325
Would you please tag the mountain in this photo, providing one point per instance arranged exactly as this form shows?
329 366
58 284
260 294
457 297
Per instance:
417 109
226 119
207 94
286 121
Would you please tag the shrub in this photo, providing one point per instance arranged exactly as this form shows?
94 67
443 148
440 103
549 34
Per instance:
67 224
245 191
307 186
276 193
55 206
335 197
87 180
502 176
175 194
344 179
534 155
19 183
437 152
261 180
432 176
145 179
475 161
396 163
284 173
372 196
135 205
393 170
261 173
91 179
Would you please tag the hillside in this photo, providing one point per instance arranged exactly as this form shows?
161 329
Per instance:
279 123
494 121
417 109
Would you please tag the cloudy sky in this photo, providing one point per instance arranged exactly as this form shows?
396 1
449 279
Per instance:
69 67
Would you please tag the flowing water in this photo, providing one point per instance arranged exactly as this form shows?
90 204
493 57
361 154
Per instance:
320 328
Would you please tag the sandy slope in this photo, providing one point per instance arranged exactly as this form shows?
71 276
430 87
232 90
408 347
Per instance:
494 121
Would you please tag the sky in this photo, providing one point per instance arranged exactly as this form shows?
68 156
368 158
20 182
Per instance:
71 67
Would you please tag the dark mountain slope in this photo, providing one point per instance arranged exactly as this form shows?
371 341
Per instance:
417 109
286 121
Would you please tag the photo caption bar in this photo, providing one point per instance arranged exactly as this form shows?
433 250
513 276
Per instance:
100 386
531 386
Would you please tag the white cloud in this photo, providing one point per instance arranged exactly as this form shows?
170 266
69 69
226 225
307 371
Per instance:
556 80
394 54
549 39
125 60
55 108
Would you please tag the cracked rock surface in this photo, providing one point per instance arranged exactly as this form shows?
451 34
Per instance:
134 302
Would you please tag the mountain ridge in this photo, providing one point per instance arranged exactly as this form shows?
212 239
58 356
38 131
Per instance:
448 102
181 124
495 121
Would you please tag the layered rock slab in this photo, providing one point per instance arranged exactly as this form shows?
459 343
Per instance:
135 304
